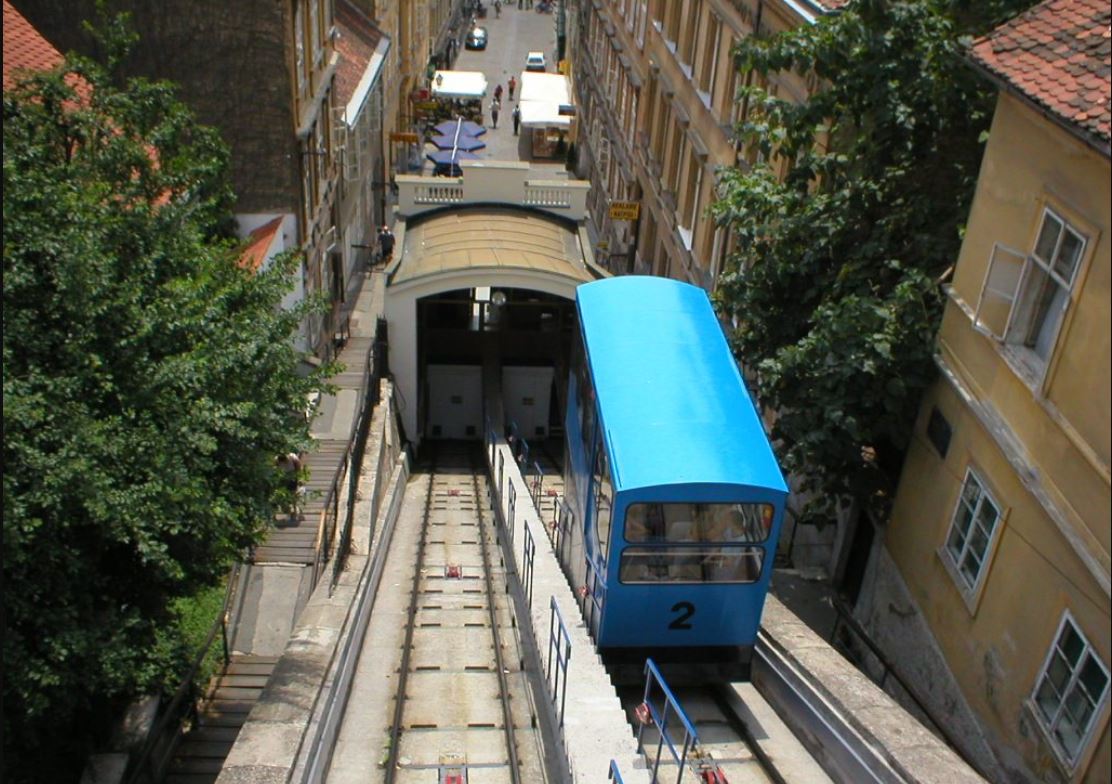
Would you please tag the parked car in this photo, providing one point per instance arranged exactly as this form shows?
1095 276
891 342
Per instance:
476 38
534 61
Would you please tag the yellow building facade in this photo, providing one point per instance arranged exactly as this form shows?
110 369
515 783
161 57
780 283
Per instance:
1000 535
656 87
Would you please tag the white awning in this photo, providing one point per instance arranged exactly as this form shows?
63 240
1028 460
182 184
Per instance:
547 87
459 84
542 95
366 82
541 114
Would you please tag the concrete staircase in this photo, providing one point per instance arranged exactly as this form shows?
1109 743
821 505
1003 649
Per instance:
201 753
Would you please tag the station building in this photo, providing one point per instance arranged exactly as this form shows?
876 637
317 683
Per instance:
485 272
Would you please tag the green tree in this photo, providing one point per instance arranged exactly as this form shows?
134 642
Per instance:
149 382
833 290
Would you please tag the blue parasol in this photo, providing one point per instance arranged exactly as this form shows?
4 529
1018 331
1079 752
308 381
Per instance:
464 142
449 127
450 156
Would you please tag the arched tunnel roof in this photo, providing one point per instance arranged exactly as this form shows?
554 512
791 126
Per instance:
488 238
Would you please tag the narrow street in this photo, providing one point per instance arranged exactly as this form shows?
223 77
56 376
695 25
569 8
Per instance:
510 37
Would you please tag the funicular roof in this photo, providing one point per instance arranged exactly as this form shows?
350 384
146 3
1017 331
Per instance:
670 394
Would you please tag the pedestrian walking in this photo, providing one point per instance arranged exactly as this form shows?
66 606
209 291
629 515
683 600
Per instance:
498 9
512 84
517 118
290 466
498 92
385 243
494 107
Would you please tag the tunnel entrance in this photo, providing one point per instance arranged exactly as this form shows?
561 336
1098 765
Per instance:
521 335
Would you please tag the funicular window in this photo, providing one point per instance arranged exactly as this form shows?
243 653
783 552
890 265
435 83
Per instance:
712 523
691 564
695 543
603 498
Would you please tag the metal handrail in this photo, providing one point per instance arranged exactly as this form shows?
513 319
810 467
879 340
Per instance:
615 774
536 485
370 397
141 763
528 553
557 633
660 719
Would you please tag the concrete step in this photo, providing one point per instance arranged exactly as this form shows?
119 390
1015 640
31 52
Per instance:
292 555
236 694
249 668
251 658
201 749
293 531
195 765
201 753
214 719
213 734
243 681
191 778
230 707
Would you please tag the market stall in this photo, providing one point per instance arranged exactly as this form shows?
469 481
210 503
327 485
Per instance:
547 113
458 94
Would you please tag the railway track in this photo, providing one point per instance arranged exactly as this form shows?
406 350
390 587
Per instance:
461 702
723 716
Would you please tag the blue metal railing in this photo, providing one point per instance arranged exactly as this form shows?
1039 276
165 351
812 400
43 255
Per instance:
528 552
661 716
593 593
615 775
560 642
501 472
535 487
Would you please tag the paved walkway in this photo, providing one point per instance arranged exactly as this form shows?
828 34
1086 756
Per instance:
278 582
510 38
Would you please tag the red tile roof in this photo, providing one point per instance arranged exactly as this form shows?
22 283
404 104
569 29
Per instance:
356 42
24 47
1059 55
259 242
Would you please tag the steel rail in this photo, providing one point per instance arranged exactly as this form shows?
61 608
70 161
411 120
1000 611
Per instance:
411 622
738 725
503 685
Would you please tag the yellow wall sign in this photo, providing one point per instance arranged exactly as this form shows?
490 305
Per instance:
402 136
625 210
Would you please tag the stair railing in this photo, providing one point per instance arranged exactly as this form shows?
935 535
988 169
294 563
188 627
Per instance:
146 768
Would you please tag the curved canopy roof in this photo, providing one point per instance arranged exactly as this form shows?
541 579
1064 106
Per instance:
486 238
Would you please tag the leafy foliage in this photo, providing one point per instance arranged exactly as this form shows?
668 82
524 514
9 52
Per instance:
149 381
833 287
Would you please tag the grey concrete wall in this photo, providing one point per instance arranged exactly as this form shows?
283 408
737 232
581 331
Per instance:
285 726
896 625
910 751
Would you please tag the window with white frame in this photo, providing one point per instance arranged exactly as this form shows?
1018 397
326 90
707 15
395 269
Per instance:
690 33
689 204
299 47
1025 296
710 56
1070 691
972 530
314 31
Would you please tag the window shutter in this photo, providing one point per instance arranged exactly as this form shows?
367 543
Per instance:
995 306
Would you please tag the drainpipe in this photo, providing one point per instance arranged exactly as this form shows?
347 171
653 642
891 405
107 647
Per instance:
749 74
